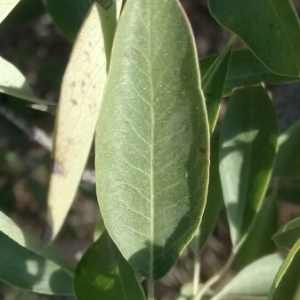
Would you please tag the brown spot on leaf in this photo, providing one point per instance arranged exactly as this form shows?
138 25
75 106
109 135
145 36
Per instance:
74 101
73 84
203 150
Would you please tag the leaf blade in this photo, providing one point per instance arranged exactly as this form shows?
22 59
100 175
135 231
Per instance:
80 101
280 25
248 146
149 128
103 272
6 7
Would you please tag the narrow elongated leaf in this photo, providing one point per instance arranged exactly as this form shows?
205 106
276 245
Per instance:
213 83
13 83
103 273
276 26
152 138
248 146
32 243
78 110
214 197
27 270
25 264
6 6
287 163
289 234
245 70
287 282
259 242
254 281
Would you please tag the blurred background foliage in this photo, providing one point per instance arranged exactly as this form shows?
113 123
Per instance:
32 42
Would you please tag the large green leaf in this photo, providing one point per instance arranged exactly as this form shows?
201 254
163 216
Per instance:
26 264
287 282
245 70
259 242
255 280
6 6
213 83
78 109
152 138
287 163
103 273
264 26
248 146
289 234
214 197
13 83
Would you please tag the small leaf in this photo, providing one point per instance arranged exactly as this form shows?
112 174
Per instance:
6 7
103 273
276 26
289 234
287 282
152 138
25 264
214 197
13 83
248 146
259 242
245 70
213 83
287 163
255 280
80 101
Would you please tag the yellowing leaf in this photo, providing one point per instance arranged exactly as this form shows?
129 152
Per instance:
78 110
12 82
6 7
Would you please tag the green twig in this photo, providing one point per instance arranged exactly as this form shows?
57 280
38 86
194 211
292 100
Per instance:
150 290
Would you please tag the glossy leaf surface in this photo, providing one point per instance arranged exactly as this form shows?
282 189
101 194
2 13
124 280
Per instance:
245 70
255 280
276 26
287 282
26 264
248 144
103 273
6 6
287 163
13 83
259 243
213 83
80 101
152 138
289 234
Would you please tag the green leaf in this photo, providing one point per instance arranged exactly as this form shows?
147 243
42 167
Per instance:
103 273
79 104
288 235
245 70
6 6
186 292
152 138
13 83
287 163
68 15
259 242
214 197
263 26
32 243
255 280
213 83
248 146
26 264
287 282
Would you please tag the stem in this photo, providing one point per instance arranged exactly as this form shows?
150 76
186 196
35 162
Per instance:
150 290
221 272
197 266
